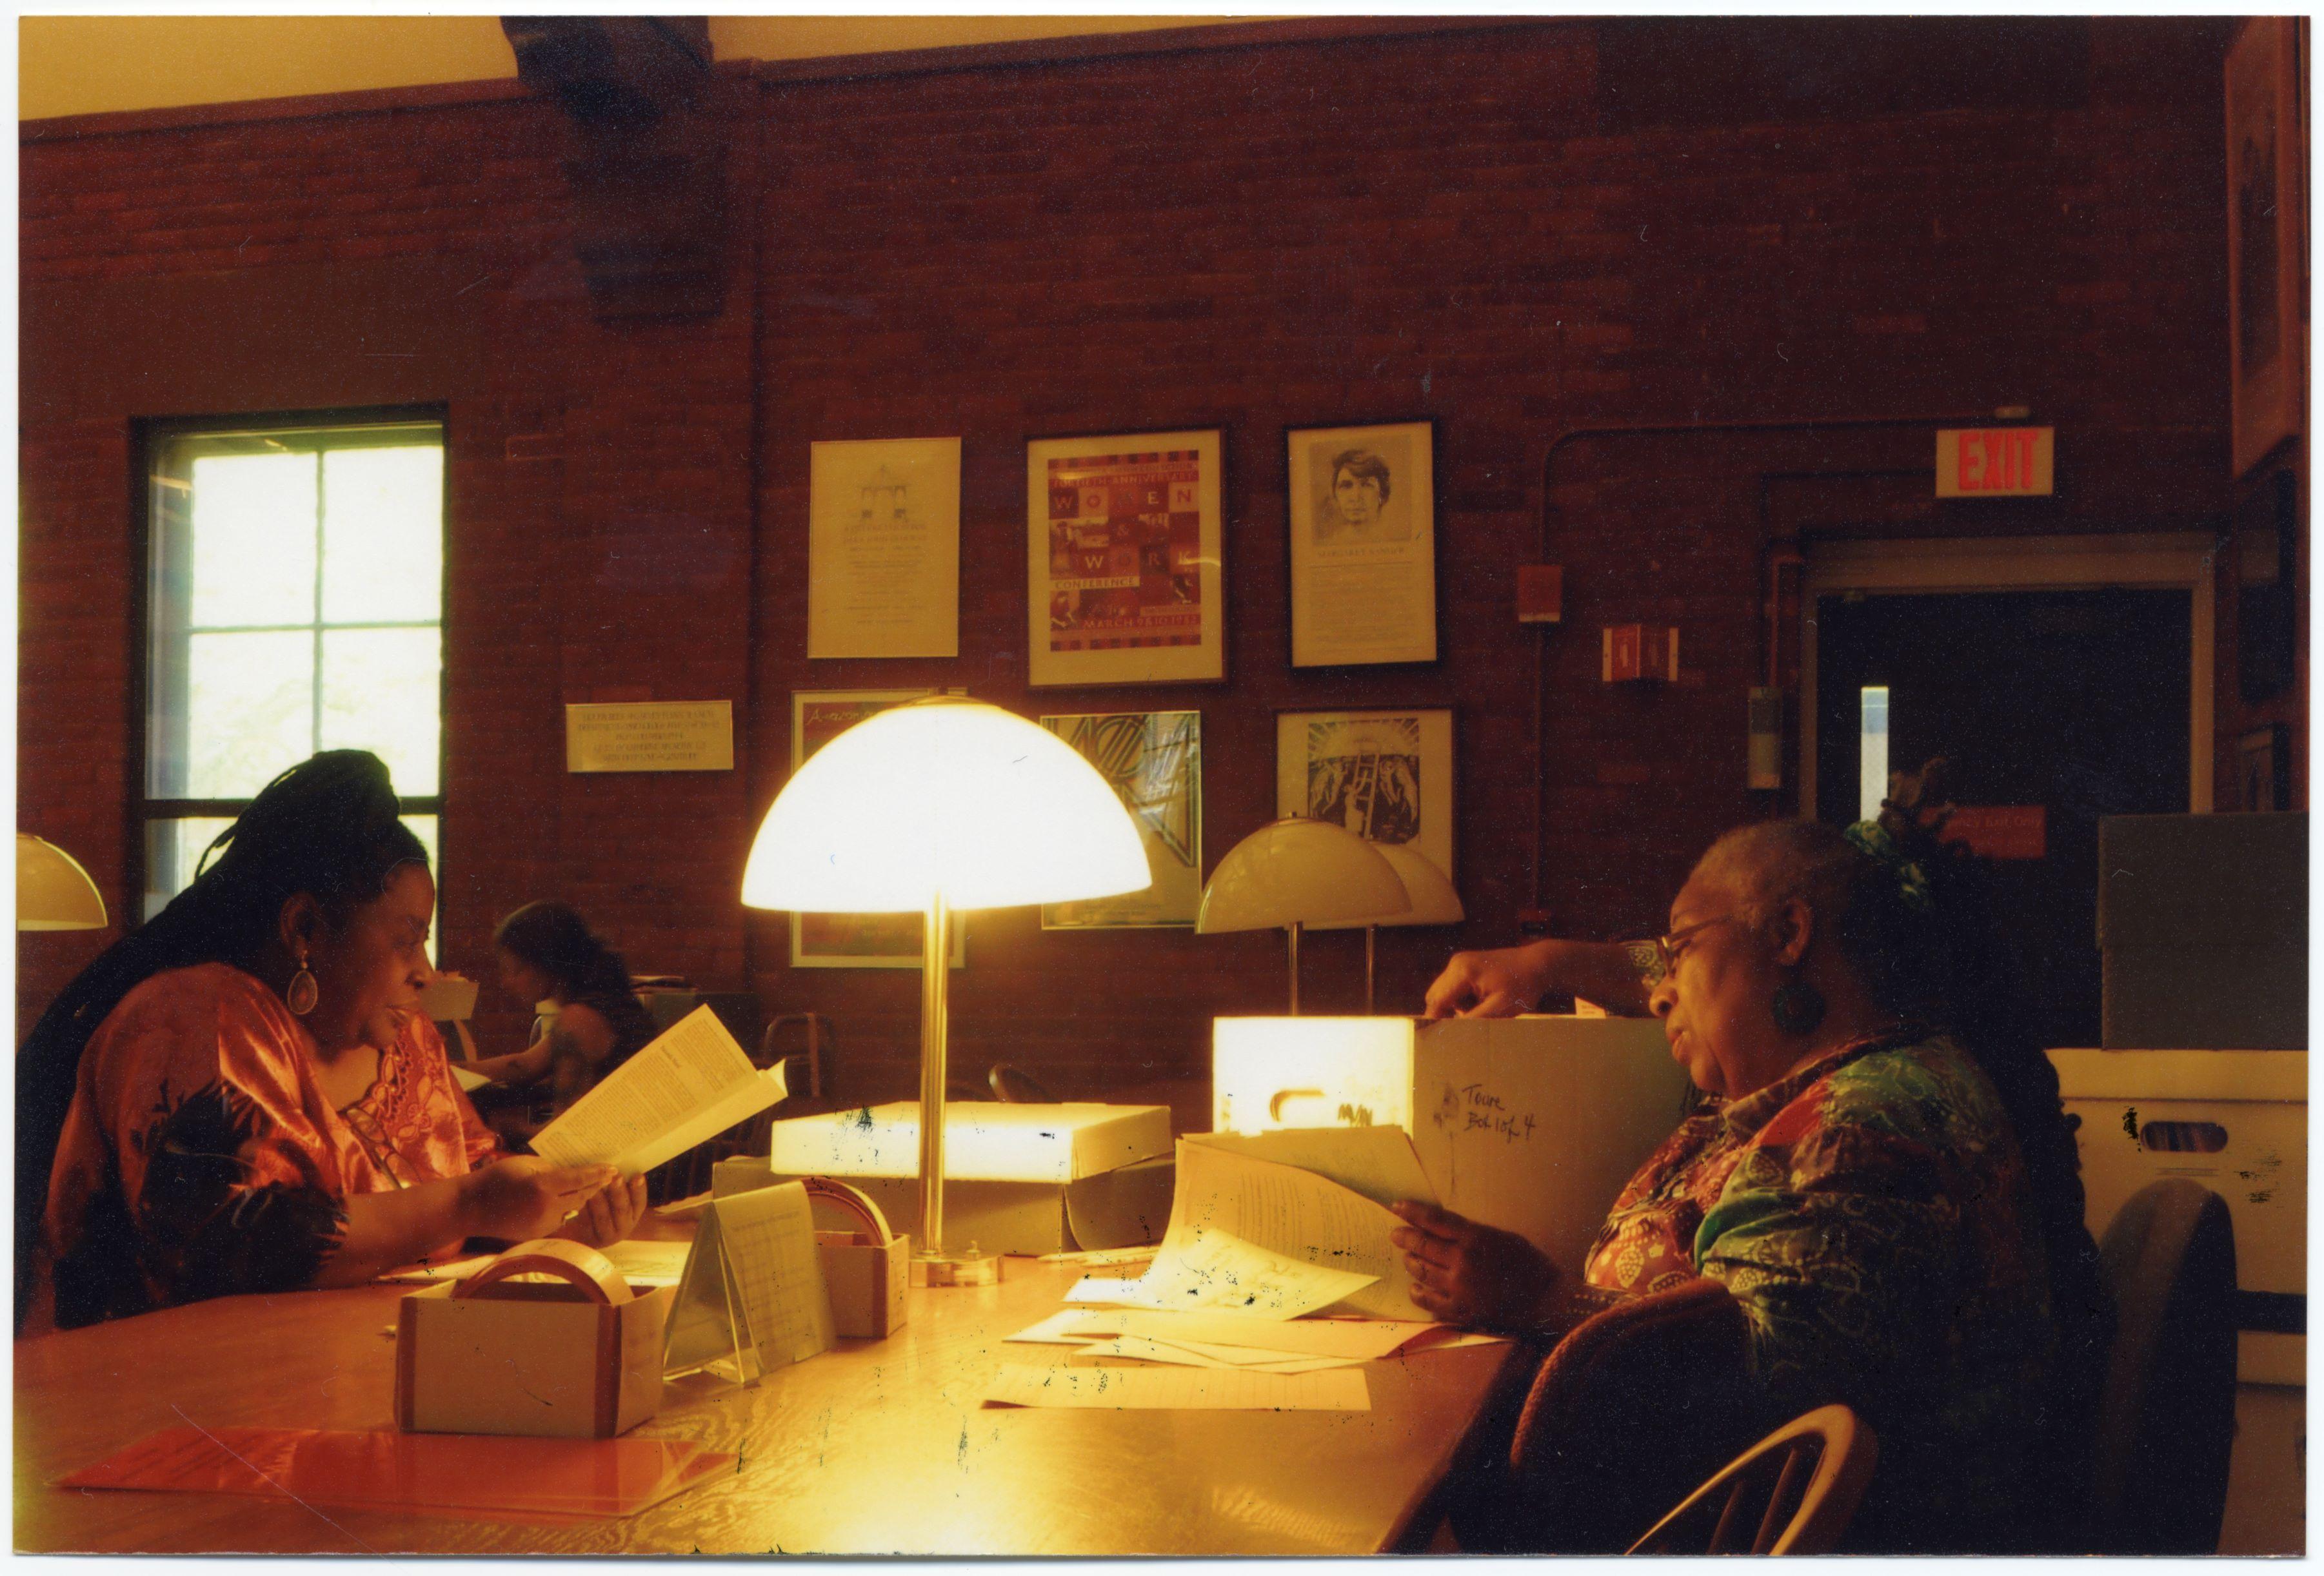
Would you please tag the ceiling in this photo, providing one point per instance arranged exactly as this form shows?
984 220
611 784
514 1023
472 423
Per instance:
86 65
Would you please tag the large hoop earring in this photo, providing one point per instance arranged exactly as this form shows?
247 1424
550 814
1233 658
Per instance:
301 994
1797 1007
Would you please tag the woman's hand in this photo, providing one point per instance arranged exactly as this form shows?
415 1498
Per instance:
1492 984
612 1213
525 1196
1467 1274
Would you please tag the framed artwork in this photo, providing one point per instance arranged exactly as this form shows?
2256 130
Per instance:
1363 544
2263 768
1154 760
883 548
1385 775
1123 545
2267 267
854 941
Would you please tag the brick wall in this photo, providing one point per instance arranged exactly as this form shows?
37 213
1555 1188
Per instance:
1284 234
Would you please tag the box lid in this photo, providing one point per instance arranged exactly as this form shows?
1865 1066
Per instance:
985 1140
2230 1075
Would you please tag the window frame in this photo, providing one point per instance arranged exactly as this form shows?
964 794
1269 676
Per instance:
149 439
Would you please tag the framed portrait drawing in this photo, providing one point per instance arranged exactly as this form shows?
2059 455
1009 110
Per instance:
1363 544
854 941
1154 760
883 548
1123 544
1385 775
2267 268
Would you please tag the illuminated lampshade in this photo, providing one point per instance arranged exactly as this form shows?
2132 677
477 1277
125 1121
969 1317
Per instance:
938 805
1297 872
943 797
1434 902
52 891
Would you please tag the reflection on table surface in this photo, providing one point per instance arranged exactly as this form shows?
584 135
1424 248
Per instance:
878 1447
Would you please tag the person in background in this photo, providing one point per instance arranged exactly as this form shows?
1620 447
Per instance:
548 954
1884 1182
242 1095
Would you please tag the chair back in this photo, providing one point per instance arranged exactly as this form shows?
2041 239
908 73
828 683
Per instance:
2166 1411
1633 1407
1792 1493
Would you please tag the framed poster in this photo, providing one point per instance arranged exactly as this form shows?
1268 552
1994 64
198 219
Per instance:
854 941
1154 760
1384 775
883 548
2267 267
1363 544
1122 557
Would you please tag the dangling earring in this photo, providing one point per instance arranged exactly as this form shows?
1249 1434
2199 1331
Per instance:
1797 1007
299 996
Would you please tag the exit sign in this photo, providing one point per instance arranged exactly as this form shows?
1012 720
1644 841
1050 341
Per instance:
1995 461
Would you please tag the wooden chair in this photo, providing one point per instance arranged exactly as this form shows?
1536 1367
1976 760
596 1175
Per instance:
1632 1409
2166 1411
1794 1492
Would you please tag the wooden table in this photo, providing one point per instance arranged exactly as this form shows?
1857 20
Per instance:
875 1448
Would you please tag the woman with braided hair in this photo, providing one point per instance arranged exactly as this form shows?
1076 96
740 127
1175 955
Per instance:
1882 1196
242 1096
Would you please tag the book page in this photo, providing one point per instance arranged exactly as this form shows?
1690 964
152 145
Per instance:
1179 1388
689 1085
1202 1267
1378 1162
1282 1212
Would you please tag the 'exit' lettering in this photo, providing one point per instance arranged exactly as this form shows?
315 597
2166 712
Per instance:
1997 462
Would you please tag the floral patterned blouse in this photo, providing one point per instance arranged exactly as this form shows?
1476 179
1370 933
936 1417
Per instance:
1871 1214
200 1157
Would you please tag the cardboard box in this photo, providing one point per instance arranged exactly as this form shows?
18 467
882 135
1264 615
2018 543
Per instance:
1531 1124
2203 932
984 1141
528 1361
2236 1121
867 1281
1112 1208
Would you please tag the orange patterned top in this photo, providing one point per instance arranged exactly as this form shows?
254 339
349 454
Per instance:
200 1157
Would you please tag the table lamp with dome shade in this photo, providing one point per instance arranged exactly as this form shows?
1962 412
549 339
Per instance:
934 806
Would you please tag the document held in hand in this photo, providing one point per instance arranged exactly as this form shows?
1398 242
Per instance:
690 1084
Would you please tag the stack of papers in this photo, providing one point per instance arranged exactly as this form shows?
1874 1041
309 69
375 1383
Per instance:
1279 1224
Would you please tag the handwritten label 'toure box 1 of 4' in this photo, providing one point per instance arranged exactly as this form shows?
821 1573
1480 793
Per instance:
1531 1124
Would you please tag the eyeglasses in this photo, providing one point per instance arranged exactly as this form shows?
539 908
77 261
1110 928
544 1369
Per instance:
1654 958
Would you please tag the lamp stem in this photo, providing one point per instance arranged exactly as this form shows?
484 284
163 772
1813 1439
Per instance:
1293 928
935 972
1371 935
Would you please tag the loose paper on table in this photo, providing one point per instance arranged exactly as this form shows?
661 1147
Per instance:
1178 1388
689 1085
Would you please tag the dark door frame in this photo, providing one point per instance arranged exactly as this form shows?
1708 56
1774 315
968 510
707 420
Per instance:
1916 566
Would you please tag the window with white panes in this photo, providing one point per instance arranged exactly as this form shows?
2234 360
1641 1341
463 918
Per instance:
297 605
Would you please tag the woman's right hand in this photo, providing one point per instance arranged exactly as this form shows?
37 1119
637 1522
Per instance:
525 1196
1500 983
1465 1272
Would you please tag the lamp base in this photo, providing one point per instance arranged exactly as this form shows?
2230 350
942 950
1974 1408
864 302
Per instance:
956 1268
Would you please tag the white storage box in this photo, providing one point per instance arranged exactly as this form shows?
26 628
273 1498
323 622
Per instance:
985 1140
1530 1124
2236 1121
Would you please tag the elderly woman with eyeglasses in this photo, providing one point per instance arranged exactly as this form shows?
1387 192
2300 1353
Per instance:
1882 1180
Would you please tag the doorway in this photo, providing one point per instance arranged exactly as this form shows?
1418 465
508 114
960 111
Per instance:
2066 682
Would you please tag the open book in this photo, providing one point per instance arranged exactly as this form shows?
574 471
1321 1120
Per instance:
689 1085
